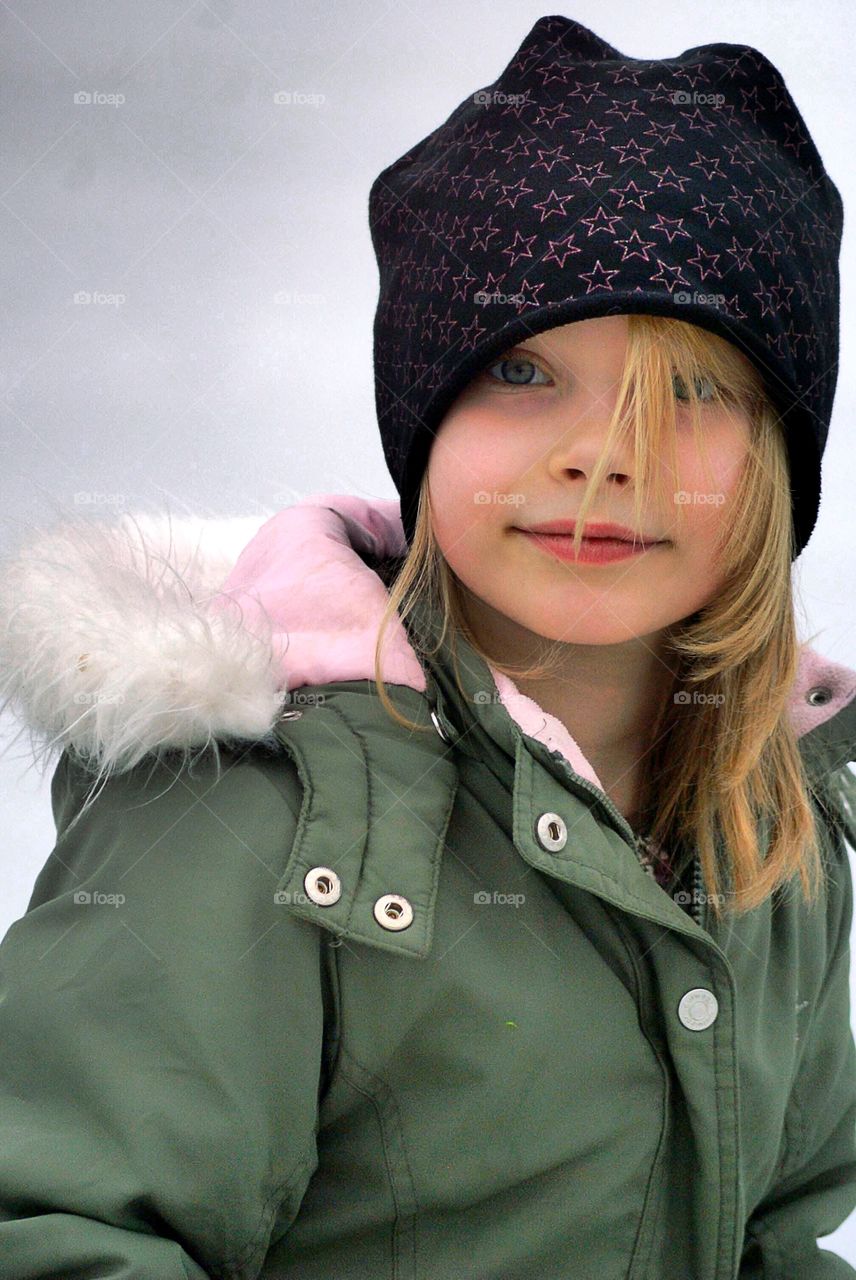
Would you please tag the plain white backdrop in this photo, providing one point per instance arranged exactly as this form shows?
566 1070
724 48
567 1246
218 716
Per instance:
223 362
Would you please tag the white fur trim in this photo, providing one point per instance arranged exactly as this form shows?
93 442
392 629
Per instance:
106 645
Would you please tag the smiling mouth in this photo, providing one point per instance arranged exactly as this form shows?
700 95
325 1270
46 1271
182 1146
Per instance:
592 550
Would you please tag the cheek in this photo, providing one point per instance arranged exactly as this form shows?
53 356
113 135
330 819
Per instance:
470 471
706 493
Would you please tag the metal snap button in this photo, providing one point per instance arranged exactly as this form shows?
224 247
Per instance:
551 831
819 695
393 912
436 719
698 1009
323 886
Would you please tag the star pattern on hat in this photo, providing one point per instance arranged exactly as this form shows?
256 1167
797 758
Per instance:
580 175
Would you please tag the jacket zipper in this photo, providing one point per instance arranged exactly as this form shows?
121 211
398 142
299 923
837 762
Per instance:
698 890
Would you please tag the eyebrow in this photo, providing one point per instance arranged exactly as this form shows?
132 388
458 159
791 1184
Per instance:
520 346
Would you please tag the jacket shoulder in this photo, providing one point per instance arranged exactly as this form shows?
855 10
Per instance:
172 821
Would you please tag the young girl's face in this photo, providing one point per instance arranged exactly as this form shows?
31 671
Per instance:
516 449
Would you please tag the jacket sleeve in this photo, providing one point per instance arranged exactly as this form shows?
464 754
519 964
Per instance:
815 1190
161 1030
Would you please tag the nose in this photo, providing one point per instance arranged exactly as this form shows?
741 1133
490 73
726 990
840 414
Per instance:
580 441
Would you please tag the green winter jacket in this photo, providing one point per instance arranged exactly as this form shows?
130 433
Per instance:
352 1002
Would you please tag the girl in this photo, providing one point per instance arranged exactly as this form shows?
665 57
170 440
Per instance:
505 931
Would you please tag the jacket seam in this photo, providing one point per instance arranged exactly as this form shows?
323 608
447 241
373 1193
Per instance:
236 1265
796 1119
332 967
366 764
369 791
401 1215
654 1188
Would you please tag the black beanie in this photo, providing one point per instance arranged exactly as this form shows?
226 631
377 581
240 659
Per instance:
585 183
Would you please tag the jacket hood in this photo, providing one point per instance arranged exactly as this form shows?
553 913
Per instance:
172 632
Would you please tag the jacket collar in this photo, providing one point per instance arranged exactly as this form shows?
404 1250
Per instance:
161 631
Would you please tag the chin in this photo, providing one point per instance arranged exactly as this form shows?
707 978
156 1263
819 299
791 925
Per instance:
593 629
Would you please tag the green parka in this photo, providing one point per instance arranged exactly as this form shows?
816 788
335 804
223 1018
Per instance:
352 1002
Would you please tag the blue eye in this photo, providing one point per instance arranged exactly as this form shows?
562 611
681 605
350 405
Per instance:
681 388
518 369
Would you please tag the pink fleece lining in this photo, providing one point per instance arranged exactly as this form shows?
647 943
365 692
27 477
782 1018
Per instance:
303 573
540 724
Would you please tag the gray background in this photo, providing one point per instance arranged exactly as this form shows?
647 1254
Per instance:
231 372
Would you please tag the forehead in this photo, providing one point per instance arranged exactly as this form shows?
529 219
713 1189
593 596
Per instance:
597 344
610 331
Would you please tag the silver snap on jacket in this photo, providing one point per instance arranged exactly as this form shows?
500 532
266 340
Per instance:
323 886
698 1009
552 831
393 912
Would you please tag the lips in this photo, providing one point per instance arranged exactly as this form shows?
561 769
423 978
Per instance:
593 551
592 531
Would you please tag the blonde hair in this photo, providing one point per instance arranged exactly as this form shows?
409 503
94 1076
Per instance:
721 767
